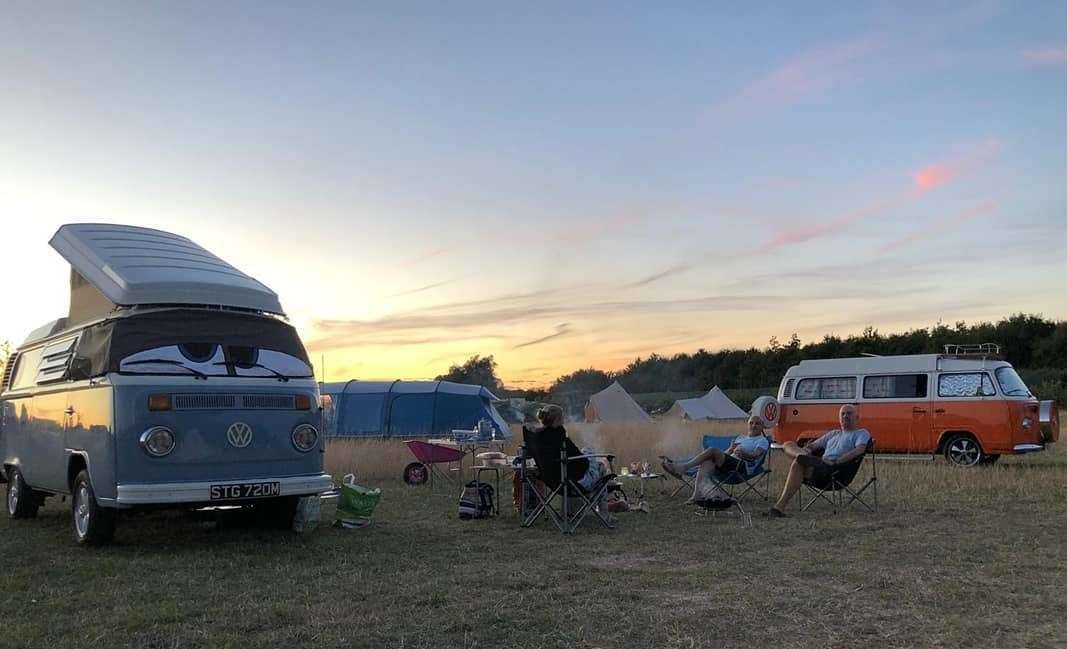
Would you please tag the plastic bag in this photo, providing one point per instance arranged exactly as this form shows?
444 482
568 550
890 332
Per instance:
356 503
308 512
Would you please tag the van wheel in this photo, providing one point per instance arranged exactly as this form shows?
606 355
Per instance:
21 501
93 524
276 513
962 450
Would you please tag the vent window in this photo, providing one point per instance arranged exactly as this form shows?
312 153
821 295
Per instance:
9 370
54 360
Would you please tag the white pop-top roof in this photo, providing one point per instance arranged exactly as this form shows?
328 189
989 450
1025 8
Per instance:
132 266
890 365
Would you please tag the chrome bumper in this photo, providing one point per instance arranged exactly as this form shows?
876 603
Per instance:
1028 448
200 492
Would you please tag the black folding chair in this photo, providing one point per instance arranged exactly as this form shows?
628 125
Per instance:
547 452
838 485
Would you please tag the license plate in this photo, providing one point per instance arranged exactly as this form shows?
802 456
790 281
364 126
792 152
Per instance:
245 490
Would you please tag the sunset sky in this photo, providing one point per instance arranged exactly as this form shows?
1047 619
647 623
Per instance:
559 185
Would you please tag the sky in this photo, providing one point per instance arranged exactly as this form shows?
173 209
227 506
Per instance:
559 186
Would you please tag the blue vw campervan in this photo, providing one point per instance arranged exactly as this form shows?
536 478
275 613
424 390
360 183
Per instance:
174 381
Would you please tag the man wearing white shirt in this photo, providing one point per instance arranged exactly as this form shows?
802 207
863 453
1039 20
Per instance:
838 446
743 456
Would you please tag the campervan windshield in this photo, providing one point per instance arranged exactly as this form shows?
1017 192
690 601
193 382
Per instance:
1011 384
202 343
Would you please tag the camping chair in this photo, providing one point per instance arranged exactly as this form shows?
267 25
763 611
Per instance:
545 455
834 489
732 482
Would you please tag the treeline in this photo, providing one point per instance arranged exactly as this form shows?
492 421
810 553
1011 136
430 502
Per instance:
1034 345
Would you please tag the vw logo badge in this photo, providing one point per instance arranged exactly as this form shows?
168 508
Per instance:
239 434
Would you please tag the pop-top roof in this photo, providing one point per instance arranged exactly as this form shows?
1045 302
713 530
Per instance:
135 266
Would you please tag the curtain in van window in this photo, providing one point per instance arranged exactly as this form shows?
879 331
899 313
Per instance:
965 385
838 388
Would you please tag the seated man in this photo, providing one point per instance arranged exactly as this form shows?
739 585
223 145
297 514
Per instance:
839 447
742 456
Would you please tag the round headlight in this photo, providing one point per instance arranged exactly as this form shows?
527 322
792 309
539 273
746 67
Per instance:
305 437
157 441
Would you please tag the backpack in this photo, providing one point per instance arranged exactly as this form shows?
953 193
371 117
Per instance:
476 501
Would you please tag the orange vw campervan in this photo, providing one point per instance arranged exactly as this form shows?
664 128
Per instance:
965 404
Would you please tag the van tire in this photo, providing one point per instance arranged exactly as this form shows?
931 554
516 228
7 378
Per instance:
92 524
961 449
21 501
276 513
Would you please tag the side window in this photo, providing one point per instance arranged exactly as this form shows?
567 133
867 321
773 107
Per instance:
837 388
26 369
787 391
976 384
901 386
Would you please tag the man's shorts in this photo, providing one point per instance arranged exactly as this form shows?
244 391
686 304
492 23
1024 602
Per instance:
730 464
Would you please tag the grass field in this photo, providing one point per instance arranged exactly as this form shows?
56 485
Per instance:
954 558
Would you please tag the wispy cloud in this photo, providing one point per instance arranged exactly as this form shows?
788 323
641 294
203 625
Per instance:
933 176
677 269
422 289
1046 55
426 256
562 329
811 72
935 229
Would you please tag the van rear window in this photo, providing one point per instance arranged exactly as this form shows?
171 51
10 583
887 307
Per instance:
899 386
838 388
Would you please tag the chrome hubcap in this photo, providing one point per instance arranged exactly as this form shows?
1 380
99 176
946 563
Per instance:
12 495
81 510
964 452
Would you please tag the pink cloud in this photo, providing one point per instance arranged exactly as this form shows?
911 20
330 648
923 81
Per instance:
807 73
931 231
1047 55
938 174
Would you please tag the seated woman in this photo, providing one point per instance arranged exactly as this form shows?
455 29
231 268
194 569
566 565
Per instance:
551 434
742 456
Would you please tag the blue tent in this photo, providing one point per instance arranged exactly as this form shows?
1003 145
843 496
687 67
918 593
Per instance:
407 408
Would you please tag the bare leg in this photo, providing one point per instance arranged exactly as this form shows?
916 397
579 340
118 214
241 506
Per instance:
713 455
793 450
796 476
703 478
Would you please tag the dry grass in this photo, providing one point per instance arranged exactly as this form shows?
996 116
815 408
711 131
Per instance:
954 558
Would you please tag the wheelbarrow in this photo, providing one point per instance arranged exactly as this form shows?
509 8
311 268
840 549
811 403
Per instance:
429 456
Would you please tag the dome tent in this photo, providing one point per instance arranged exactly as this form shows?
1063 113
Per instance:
407 408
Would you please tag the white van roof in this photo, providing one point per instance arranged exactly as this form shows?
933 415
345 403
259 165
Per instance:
135 266
889 365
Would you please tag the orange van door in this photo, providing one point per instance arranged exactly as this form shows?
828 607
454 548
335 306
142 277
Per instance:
895 408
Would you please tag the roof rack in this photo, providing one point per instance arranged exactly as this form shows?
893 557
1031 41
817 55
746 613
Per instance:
982 350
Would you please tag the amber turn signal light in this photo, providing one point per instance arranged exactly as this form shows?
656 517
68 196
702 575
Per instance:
302 402
158 402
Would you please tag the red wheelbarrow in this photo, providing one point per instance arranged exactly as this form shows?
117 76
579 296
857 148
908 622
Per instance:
428 456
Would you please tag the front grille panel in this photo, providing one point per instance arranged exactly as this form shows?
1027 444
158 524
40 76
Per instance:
234 402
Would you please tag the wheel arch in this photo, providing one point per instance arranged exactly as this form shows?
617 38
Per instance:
948 434
76 463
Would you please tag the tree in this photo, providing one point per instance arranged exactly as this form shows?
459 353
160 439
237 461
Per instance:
477 370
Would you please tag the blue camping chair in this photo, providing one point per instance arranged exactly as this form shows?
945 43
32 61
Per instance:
736 483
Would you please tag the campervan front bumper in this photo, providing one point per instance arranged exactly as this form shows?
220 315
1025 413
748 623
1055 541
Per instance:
131 495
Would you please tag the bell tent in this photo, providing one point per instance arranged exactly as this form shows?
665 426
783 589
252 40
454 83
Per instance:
614 405
713 405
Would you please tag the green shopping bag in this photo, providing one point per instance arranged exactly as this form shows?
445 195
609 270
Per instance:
356 503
